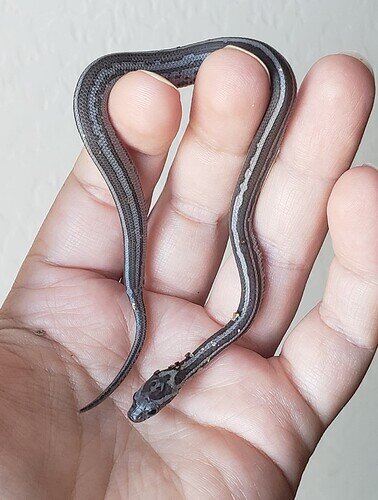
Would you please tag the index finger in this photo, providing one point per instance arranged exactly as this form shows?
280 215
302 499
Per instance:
82 230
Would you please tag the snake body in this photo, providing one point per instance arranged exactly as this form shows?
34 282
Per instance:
180 66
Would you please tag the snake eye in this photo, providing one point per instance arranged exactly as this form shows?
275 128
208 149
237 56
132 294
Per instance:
153 412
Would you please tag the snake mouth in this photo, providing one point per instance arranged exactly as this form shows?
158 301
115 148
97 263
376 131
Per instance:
136 414
139 413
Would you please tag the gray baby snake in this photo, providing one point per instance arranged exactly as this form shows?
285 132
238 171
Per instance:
180 66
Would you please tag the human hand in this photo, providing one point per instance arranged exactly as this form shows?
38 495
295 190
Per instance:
247 424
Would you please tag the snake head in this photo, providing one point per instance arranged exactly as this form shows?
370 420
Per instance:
154 394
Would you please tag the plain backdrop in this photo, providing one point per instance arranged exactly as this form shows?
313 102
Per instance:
44 46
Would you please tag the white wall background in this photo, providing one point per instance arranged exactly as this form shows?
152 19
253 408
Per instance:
45 45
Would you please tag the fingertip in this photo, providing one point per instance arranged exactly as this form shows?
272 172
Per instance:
343 76
145 110
229 79
250 54
352 214
353 194
360 58
230 96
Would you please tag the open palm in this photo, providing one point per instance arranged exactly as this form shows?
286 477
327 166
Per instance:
246 426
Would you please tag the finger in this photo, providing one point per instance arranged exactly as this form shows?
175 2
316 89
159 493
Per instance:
82 229
325 129
188 228
329 352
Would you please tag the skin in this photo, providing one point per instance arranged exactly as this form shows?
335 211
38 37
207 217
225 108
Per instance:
246 426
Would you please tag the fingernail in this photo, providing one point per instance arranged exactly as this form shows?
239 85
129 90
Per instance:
249 54
360 58
159 77
366 164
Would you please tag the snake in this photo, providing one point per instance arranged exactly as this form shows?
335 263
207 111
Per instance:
180 66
